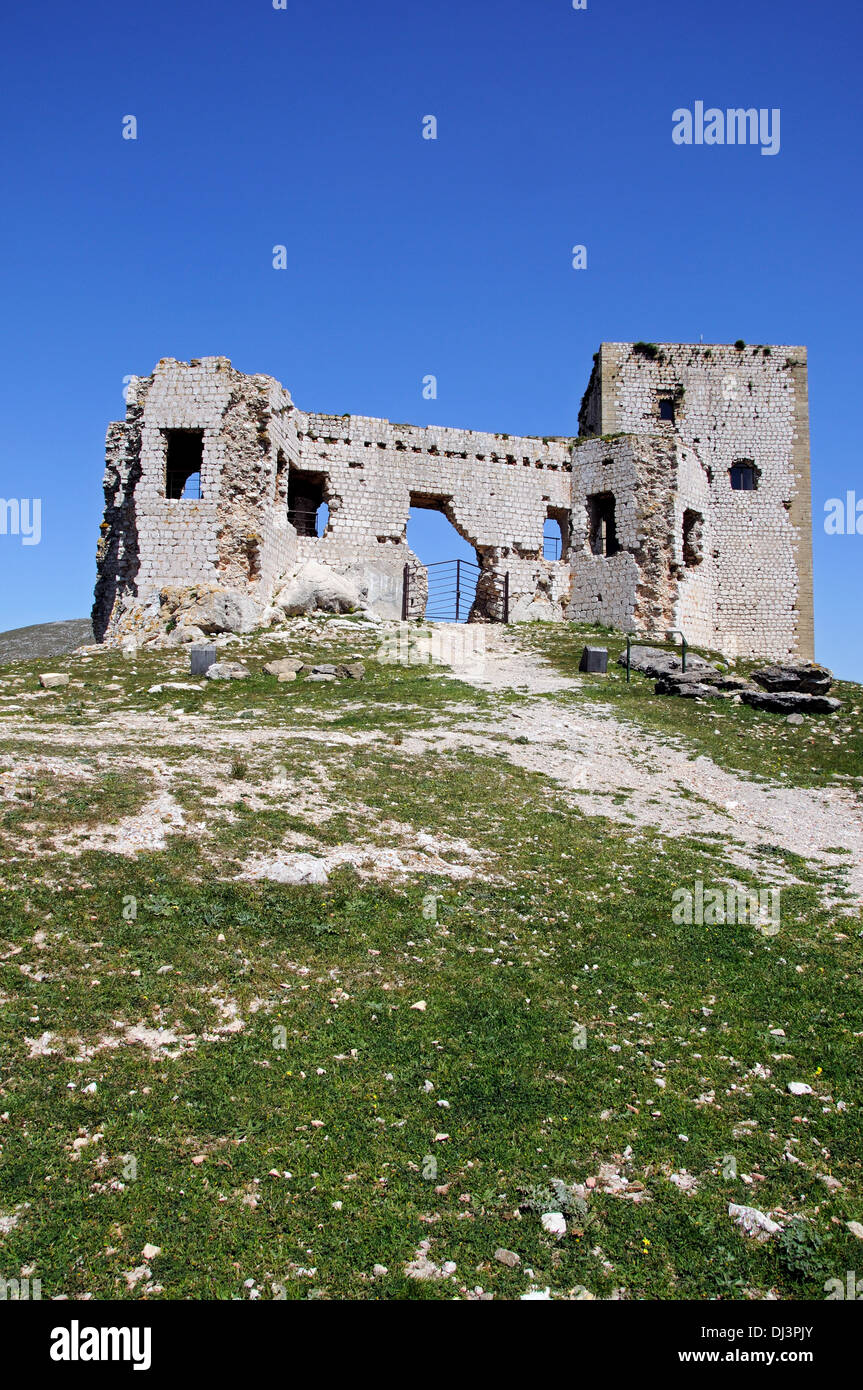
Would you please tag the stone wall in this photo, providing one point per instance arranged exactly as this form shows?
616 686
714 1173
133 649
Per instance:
730 405
654 536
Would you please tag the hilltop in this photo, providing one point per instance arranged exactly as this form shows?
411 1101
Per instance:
372 985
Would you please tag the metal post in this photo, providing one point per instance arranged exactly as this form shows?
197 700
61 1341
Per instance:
506 597
406 584
457 585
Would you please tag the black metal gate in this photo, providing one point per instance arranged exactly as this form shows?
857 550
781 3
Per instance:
451 591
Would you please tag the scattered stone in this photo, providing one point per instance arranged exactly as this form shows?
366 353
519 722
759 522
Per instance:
320 676
855 1228
52 680
805 676
327 669
227 671
554 1222
421 1267
352 670
507 1257
653 661
754 1222
286 669
794 719
800 1088
790 701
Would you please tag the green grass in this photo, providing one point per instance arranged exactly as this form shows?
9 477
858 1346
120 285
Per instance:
568 924
825 749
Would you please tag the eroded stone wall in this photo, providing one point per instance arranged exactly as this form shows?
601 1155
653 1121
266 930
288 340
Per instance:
667 422
730 405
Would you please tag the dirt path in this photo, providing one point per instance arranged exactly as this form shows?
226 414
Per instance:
598 757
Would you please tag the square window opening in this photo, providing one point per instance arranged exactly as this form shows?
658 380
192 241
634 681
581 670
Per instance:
307 494
744 476
184 457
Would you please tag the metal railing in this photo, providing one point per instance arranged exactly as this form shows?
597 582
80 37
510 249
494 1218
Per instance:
451 591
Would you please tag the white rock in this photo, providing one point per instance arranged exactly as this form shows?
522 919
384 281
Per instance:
315 587
800 1088
554 1222
754 1222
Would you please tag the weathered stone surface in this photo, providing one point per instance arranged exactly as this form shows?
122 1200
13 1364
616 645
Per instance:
693 689
351 670
316 587
183 636
52 680
653 661
225 611
285 669
805 676
654 534
324 669
701 682
790 702
228 671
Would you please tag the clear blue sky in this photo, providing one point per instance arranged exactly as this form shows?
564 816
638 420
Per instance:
406 257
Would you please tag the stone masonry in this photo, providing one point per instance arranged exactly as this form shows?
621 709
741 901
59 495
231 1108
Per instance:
683 503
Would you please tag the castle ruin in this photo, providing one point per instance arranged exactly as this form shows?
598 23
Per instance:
684 502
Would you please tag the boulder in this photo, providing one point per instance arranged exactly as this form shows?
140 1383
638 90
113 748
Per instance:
317 588
228 671
52 680
326 669
224 610
652 661
805 676
693 689
182 636
790 702
287 668
700 682
351 670
272 617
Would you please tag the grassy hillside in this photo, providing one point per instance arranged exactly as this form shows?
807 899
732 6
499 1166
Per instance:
487 1012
